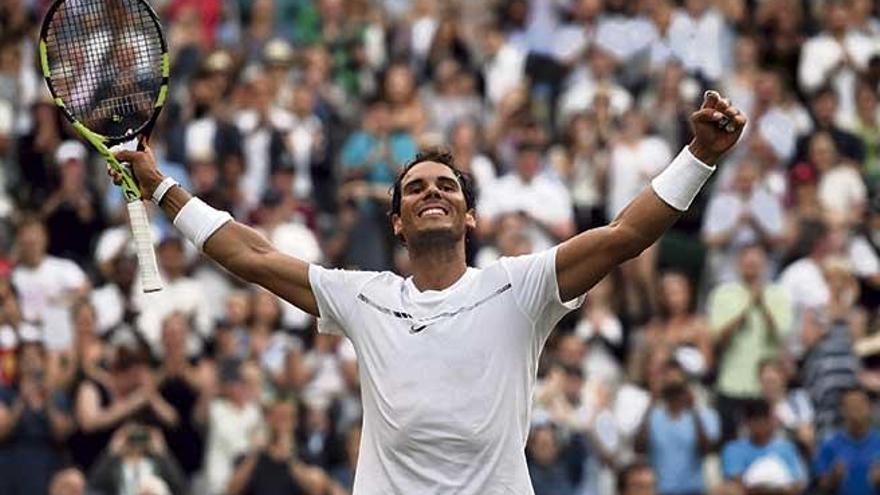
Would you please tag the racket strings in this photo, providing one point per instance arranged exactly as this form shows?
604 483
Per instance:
105 59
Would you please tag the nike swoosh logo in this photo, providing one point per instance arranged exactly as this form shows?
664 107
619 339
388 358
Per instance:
417 328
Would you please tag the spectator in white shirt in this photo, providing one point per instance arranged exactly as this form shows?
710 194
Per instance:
836 55
699 37
234 426
46 285
841 187
286 229
593 80
737 218
537 195
635 159
504 66
181 294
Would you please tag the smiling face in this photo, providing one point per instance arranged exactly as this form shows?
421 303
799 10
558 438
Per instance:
433 208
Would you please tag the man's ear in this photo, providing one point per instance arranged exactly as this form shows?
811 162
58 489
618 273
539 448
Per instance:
470 219
396 224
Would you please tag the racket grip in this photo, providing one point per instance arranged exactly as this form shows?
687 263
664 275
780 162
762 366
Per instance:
143 243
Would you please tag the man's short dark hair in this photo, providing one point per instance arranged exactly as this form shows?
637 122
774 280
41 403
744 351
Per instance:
628 470
759 409
438 155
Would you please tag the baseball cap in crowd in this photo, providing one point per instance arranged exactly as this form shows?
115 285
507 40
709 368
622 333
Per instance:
218 61
278 52
767 472
70 150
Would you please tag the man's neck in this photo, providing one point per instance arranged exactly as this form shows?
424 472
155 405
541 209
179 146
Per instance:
858 432
437 269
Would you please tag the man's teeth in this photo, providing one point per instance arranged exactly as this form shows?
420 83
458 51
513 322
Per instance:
433 211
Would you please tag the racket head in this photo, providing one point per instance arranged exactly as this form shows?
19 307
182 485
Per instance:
106 65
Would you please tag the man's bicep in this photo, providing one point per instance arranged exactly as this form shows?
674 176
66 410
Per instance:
288 278
583 260
249 255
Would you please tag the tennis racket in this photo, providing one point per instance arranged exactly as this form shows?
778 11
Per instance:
106 65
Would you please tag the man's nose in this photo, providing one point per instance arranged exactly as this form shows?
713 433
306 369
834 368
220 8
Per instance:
432 191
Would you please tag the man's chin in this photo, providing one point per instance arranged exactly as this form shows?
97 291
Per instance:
435 236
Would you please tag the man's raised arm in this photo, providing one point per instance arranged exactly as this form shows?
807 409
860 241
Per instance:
586 258
235 246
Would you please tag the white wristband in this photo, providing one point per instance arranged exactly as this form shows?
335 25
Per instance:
163 187
198 221
682 180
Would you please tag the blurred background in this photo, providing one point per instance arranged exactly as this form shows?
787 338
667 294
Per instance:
737 355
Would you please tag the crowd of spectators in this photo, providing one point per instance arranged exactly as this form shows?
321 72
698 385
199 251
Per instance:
737 355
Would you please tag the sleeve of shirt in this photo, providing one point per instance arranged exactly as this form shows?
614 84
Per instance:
335 291
824 460
733 462
780 308
812 69
770 215
863 257
711 424
73 275
534 285
795 463
719 217
722 308
354 151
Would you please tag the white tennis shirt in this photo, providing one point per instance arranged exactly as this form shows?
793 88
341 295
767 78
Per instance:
446 376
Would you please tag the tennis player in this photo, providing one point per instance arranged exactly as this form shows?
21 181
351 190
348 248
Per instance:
448 357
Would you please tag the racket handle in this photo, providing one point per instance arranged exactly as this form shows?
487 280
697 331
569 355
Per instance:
143 243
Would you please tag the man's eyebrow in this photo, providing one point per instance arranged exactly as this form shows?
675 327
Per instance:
417 180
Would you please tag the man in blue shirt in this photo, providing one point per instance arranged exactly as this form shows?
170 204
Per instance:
848 462
676 435
763 462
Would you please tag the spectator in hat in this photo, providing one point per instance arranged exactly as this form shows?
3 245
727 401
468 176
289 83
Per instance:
762 461
234 426
46 285
848 462
73 213
35 418
750 318
676 434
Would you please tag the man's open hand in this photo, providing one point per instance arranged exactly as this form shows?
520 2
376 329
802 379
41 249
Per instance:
711 138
